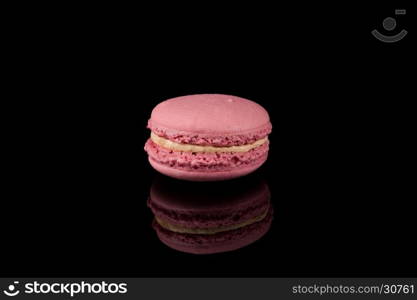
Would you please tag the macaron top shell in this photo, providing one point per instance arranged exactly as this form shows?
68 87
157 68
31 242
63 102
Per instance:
209 115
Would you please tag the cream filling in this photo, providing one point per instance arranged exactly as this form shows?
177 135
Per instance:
181 229
196 148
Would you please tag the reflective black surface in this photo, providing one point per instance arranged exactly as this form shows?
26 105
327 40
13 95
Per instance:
210 218
77 179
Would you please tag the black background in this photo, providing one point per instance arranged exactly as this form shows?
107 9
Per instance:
83 87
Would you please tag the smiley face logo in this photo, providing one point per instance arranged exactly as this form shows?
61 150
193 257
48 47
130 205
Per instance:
389 24
12 290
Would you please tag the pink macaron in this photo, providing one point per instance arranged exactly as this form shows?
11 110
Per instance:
208 137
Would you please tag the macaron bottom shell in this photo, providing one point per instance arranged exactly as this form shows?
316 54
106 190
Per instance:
206 176
205 166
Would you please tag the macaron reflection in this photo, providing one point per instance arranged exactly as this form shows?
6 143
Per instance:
210 218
